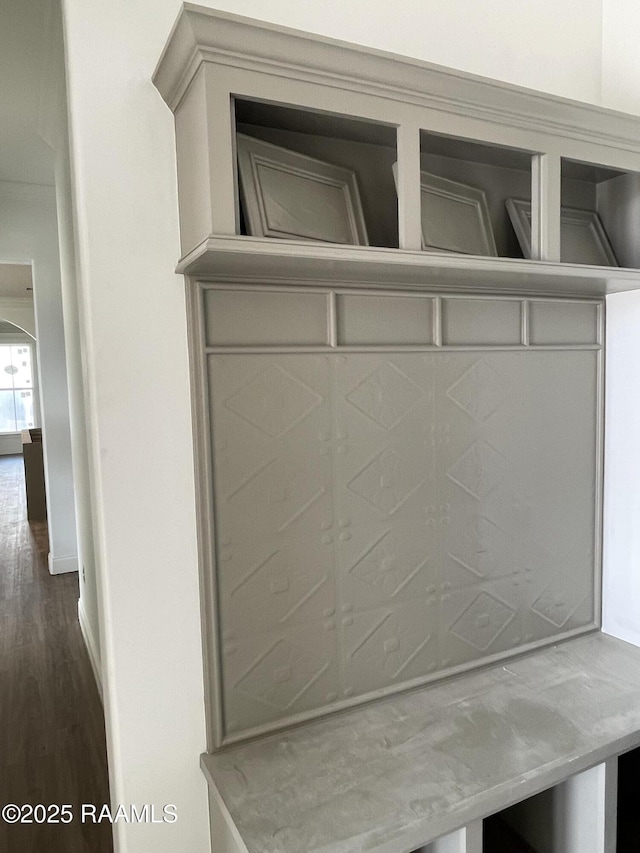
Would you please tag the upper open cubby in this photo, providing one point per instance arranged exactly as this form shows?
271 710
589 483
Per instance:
286 145
599 215
465 190
305 175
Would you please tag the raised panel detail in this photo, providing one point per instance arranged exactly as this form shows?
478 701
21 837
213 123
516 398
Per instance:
383 320
264 318
481 321
563 322
289 195
382 519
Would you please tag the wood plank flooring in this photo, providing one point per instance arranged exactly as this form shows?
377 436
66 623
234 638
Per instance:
52 743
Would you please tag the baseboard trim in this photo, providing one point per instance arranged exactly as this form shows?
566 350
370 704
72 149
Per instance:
92 647
62 565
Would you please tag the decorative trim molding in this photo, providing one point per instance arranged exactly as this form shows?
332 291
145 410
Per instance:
207 35
272 210
434 187
92 646
588 221
63 565
255 259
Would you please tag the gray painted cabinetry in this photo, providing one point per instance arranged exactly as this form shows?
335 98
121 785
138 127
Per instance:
399 447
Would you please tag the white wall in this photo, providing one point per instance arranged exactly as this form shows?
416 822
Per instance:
542 44
133 326
620 55
133 321
54 128
28 232
621 559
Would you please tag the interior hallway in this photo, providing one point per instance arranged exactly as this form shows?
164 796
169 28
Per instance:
52 742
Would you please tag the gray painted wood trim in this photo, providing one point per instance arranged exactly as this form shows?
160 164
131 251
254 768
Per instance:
249 259
203 34
407 175
608 811
414 759
223 829
544 241
599 484
205 511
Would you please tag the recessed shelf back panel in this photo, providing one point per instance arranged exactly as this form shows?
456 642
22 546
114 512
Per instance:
386 517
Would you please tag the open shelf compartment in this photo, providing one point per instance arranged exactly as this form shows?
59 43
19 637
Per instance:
315 176
599 215
466 188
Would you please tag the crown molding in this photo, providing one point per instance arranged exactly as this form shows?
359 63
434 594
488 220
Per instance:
206 35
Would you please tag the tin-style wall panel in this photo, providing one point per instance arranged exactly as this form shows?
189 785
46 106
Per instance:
385 518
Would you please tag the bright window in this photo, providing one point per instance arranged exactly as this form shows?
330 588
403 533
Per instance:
16 388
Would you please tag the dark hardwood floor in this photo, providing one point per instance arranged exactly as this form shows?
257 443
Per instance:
52 743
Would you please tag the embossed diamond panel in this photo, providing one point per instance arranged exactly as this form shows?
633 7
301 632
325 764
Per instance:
385 518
